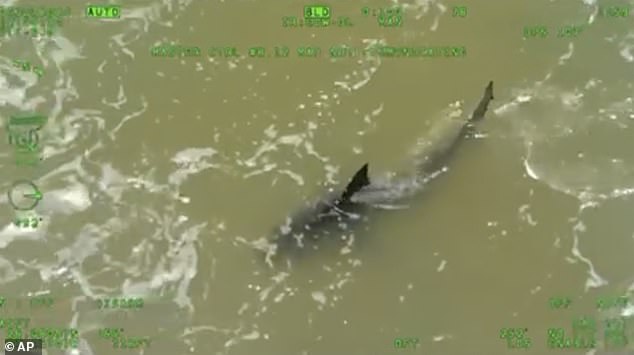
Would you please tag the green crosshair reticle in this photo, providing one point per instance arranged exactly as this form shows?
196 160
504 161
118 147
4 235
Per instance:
24 195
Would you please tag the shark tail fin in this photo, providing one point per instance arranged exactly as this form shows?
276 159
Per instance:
358 181
483 106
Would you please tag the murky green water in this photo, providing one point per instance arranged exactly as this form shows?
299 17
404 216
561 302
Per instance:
161 176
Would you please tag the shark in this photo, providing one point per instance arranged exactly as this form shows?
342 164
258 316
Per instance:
338 211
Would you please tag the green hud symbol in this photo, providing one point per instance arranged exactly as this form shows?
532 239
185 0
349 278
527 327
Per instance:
26 159
103 11
398 343
24 195
23 134
23 131
459 11
27 120
316 12
24 141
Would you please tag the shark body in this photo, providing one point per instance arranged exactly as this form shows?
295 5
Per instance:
337 211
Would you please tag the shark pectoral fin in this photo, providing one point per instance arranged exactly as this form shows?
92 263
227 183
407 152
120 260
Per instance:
358 181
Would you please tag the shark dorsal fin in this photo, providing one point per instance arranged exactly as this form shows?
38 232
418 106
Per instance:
483 105
358 181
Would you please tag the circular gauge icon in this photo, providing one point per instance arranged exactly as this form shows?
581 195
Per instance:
24 195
